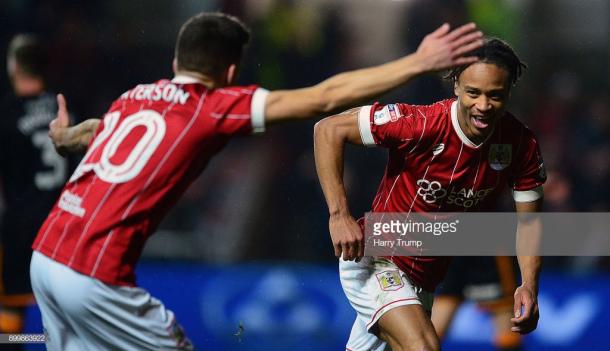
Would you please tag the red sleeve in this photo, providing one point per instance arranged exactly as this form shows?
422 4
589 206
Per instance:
237 110
392 126
529 171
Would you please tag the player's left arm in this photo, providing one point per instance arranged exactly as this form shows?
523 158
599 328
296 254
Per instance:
529 230
70 139
330 136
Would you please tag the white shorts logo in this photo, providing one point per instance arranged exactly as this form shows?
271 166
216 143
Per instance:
390 280
430 191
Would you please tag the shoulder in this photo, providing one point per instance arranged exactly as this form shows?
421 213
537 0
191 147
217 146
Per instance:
234 91
230 98
12 108
430 118
515 128
436 110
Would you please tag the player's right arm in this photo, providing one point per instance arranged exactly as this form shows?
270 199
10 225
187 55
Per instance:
68 139
330 136
439 50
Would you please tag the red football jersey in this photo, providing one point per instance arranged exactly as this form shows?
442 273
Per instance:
153 142
434 167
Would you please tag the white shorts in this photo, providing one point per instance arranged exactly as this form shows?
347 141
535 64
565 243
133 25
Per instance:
374 286
82 313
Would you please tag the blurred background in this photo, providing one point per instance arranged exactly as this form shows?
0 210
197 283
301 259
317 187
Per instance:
245 259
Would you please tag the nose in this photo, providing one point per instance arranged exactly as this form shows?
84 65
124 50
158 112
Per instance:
483 104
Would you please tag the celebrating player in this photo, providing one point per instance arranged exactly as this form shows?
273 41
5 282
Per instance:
467 143
31 172
153 142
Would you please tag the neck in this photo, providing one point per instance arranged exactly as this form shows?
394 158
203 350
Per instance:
202 78
476 139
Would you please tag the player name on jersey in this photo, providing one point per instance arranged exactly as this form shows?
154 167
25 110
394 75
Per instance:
156 92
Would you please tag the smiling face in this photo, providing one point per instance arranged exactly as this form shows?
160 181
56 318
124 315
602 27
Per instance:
482 90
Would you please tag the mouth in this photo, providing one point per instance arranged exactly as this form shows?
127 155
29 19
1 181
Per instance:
480 122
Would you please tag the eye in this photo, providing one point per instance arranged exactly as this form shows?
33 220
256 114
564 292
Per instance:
496 97
472 94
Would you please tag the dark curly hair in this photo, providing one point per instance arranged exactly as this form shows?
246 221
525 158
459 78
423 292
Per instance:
494 51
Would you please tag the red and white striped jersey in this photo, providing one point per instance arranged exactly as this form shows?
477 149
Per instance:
153 142
434 167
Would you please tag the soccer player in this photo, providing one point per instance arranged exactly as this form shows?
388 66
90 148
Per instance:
488 281
153 142
31 172
463 146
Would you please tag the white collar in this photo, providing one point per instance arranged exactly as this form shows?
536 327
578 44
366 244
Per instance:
458 129
184 79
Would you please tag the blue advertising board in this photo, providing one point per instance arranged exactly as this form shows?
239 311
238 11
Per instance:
302 307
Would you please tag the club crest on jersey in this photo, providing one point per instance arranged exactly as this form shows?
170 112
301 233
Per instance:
390 280
386 114
500 156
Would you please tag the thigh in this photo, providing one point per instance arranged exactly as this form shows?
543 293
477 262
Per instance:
59 333
374 287
107 317
408 328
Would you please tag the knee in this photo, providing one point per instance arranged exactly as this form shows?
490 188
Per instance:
425 343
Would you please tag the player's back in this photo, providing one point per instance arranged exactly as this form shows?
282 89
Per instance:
153 142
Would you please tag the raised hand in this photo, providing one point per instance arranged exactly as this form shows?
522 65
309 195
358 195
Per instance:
444 49
59 126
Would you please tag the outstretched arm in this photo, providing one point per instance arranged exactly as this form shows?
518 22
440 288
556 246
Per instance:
68 139
439 50
330 136
529 229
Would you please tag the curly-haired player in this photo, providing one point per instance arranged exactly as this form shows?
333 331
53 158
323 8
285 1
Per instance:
471 148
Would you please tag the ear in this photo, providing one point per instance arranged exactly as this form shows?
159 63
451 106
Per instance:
455 88
231 74
175 65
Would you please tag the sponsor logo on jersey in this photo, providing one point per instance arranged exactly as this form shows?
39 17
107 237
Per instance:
390 280
432 192
438 148
71 203
500 156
